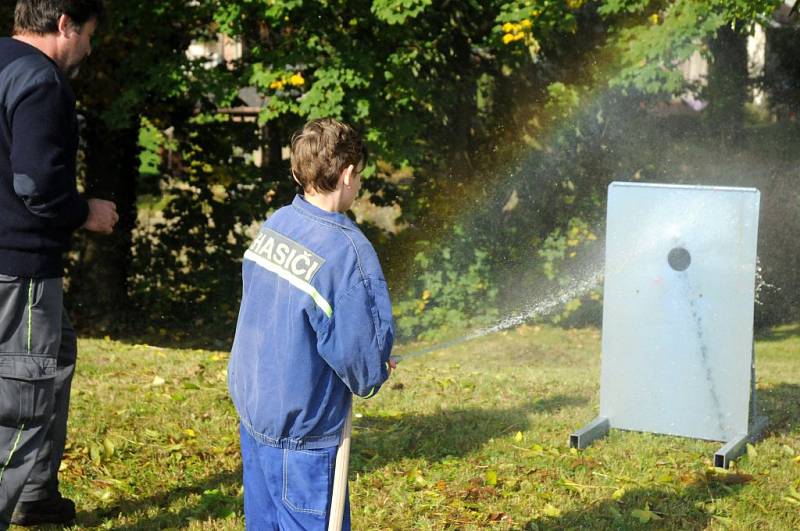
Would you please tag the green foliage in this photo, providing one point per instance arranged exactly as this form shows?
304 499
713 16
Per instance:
666 34
452 292
559 251
399 11
563 100
454 91
187 255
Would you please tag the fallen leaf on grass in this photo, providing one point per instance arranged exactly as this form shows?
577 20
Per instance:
577 487
793 497
584 462
751 451
645 515
496 517
416 477
478 493
108 448
618 494
157 381
518 437
95 453
491 477
551 511
796 459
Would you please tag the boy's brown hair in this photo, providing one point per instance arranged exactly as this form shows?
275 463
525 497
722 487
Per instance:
322 150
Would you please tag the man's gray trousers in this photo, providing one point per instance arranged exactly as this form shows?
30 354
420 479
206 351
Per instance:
37 360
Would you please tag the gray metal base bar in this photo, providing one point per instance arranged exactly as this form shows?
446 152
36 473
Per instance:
596 429
736 447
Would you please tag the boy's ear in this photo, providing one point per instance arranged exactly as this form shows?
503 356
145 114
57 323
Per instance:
347 176
298 182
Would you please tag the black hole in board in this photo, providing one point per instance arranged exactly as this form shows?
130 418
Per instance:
679 259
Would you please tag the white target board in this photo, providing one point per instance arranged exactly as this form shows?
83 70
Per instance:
678 309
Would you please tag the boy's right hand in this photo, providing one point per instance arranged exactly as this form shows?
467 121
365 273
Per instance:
392 363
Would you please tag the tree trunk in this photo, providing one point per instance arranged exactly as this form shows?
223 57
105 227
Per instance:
728 84
98 292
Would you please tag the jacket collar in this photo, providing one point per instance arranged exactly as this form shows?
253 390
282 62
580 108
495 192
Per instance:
337 218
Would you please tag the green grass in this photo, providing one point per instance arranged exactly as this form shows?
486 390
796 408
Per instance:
472 437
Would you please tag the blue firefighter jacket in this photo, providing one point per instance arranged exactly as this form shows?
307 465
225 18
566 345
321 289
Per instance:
315 324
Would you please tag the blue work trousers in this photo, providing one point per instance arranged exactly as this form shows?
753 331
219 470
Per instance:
288 490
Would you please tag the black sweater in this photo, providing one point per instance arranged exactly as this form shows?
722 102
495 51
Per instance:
40 205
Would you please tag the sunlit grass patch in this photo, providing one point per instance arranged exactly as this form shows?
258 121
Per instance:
471 437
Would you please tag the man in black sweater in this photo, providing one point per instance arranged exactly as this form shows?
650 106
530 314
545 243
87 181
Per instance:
40 207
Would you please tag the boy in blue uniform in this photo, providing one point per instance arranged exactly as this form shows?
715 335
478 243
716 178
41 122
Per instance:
315 326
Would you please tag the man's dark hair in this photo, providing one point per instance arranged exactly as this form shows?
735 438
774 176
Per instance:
41 16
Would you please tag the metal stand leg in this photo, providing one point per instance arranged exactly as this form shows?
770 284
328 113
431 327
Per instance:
596 429
737 446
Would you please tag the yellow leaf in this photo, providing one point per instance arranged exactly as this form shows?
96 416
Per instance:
645 515
108 448
189 432
796 459
518 437
95 453
157 381
577 487
751 451
550 510
619 493
491 477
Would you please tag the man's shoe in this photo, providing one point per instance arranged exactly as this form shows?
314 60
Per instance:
55 510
